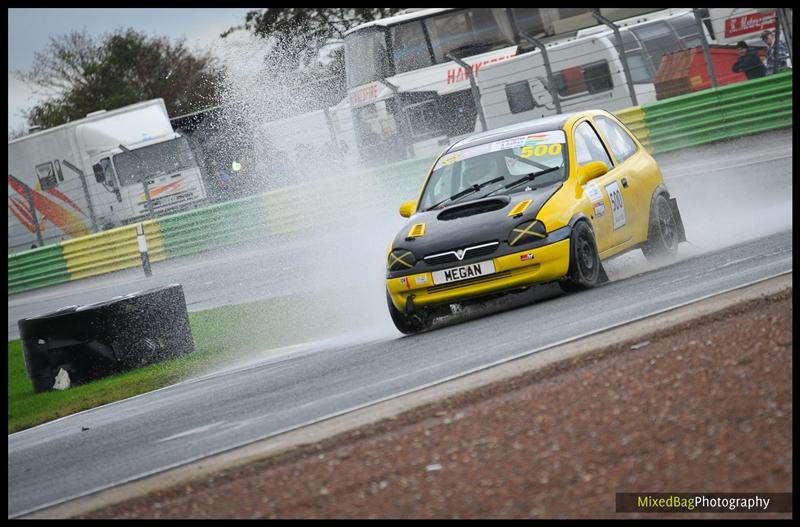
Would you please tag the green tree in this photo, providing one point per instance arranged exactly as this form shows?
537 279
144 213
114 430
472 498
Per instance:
16 131
82 75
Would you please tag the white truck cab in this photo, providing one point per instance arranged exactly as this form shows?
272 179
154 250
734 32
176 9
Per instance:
89 175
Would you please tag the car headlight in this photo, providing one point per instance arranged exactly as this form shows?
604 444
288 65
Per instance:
527 232
400 260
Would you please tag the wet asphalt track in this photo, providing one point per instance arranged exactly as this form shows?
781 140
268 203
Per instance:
751 240
725 187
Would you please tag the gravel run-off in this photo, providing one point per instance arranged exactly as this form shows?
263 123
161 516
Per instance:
702 407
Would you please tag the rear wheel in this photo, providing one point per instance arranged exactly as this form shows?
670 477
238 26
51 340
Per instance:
585 270
662 237
409 324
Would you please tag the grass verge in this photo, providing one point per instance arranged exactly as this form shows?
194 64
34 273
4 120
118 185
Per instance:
220 336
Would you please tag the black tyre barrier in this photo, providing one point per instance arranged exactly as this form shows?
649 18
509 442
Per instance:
100 339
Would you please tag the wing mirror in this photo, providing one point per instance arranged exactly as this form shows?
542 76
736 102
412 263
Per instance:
590 171
99 176
408 208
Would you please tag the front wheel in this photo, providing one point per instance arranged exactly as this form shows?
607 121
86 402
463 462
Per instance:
584 263
408 324
662 237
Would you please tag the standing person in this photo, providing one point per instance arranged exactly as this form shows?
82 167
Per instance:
769 39
749 62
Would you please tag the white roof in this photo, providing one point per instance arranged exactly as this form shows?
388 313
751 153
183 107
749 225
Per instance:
136 126
632 21
96 117
396 19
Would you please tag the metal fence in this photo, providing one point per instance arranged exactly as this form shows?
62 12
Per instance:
679 122
672 58
29 227
613 65
608 66
68 204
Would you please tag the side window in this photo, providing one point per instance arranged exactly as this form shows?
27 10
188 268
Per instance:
47 175
641 71
686 28
519 97
589 78
423 117
410 47
448 32
468 32
108 171
621 143
658 39
588 146
570 81
598 76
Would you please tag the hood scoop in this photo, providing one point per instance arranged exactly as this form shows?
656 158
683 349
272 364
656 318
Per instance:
473 207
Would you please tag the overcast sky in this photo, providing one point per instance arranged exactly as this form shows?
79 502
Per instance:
29 31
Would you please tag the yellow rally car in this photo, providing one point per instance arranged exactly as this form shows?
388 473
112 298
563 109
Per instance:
537 202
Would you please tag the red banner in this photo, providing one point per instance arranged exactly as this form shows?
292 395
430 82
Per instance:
364 94
749 23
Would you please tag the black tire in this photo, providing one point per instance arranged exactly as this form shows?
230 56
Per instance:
585 270
662 235
409 324
105 338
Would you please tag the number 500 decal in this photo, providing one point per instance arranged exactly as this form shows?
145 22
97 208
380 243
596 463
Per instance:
617 205
541 150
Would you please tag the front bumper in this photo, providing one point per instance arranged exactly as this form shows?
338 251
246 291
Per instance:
549 262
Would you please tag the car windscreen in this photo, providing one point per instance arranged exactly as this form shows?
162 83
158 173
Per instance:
504 162
156 160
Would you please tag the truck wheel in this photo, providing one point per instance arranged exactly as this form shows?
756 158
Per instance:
409 324
584 263
662 237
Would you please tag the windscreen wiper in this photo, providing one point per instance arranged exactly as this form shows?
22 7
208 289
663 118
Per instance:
523 179
469 190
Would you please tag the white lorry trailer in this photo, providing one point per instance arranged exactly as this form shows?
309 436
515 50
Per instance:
75 179
587 69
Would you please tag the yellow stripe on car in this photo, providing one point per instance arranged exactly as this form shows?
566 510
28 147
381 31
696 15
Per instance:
526 231
550 262
416 231
520 208
399 259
